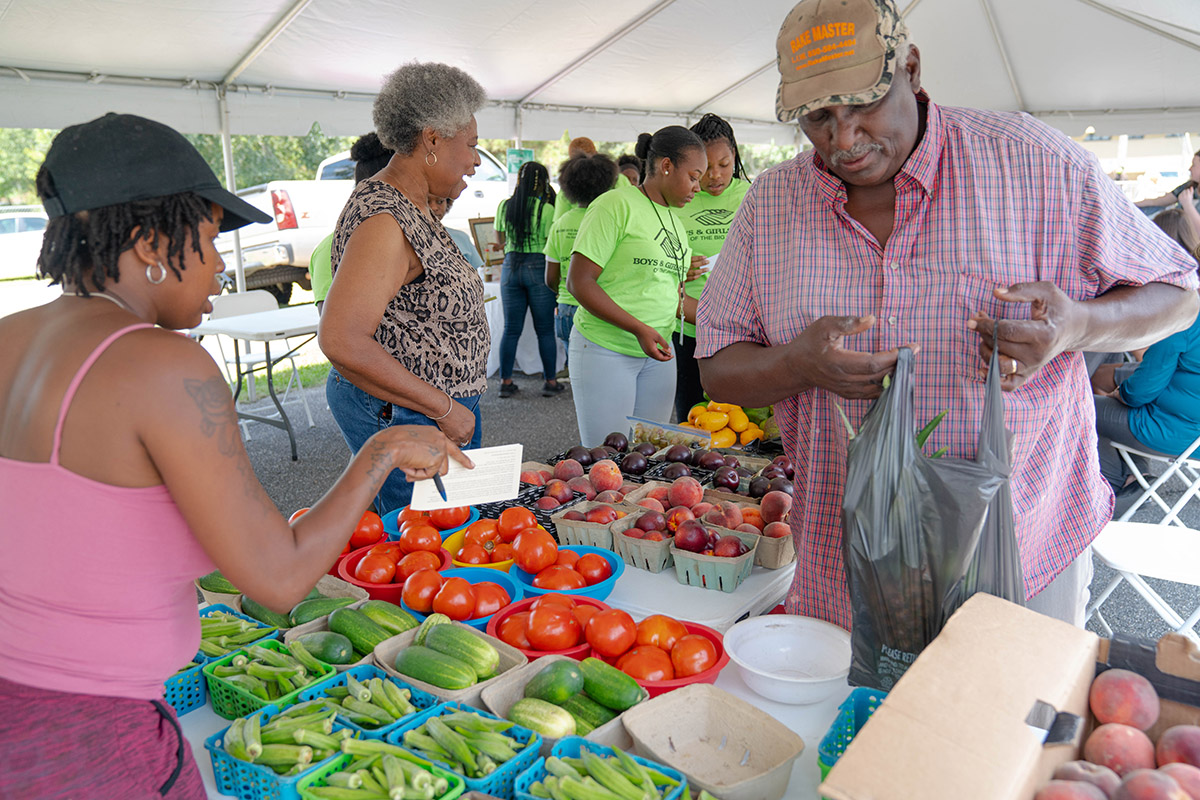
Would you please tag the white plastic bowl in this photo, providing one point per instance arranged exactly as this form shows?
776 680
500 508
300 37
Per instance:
790 659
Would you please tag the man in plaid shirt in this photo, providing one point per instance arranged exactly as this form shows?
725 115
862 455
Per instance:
915 224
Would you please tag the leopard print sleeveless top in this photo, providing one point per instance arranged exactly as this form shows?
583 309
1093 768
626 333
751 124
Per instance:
435 325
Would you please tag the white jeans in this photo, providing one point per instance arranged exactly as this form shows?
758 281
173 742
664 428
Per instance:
1066 597
608 387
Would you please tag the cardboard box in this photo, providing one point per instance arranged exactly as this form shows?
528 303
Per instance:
994 704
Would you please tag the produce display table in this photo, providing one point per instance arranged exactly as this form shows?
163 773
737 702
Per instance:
643 593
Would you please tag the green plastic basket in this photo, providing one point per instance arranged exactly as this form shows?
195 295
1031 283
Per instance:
317 777
230 701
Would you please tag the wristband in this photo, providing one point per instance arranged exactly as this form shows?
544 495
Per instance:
448 410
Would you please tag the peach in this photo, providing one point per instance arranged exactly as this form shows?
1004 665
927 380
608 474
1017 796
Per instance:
627 487
610 496
1118 695
777 530
1187 776
605 475
559 490
752 515
652 504
582 484
547 504
1121 748
685 491
1148 784
573 515
677 515
1087 772
651 521
602 515
655 536
702 508
568 468
546 474
659 493
532 476
635 533
1069 790
1180 743
775 506
746 527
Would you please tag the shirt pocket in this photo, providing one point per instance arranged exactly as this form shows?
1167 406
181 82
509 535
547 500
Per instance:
972 294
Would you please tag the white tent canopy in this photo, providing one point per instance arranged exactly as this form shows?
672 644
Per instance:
608 70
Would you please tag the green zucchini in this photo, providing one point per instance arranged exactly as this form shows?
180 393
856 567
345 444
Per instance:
252 608
308 610
388 616
545 718
432 667
328 646
358 628
608 686
556 682
430 621
217 583
587 712
461 643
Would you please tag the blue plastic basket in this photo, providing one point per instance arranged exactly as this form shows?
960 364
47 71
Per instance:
254 781
853 713
499 783
422 700
186 691
391 526
572 746
599 591
213 609
473 575
317 777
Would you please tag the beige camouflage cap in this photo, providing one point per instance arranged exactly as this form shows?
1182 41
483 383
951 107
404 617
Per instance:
836 52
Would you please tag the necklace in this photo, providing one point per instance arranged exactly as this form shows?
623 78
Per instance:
109 297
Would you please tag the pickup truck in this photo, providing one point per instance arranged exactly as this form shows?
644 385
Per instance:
275 255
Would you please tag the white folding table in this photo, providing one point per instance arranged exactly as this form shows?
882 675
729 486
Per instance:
266 327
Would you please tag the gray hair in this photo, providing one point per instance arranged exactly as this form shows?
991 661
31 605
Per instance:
424 95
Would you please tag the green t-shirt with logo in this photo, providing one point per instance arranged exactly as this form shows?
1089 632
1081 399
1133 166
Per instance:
708 219
643 254
537 238
320 268
559 245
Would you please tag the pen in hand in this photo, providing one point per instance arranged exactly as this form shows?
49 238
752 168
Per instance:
441 487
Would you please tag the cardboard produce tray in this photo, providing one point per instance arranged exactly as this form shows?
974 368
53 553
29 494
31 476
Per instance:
592 534
322 624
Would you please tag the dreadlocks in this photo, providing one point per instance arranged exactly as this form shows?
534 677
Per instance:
712 128
523 213
89 243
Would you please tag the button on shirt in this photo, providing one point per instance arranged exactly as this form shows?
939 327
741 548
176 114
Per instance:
986 199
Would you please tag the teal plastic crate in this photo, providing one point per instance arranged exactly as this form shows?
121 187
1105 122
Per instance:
853 713
572 746
422 700
186 691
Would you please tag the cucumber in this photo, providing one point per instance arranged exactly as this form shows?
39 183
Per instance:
545 718
217 583
251 608
313 594
358 628
608 686
327 646
587 712
308 610
557 682
430 621
464 645
389 616
432 667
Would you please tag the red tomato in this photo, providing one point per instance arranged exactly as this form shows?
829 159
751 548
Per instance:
594 568
511 630
534 550
420 537
489 598
415 562
583 614
456 599
473 554
693 654
553 599
375 568
560 579
502 552
552 627
514 520
368 531
446 518
611 632
660 631
297 514
567 558
647 663
484 533
389 549
420 588
408 513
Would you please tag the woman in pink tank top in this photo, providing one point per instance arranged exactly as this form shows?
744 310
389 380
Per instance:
122 471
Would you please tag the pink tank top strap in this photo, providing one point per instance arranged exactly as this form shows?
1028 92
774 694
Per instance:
74 385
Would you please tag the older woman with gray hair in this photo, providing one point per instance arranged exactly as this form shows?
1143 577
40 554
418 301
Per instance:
403 324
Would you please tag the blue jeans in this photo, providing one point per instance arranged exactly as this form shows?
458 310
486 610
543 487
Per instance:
608 386
523 286
564 323
360 415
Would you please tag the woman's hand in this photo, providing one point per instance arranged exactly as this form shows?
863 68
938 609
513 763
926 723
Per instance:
420 451
653 344
697 267
1104 380
459 424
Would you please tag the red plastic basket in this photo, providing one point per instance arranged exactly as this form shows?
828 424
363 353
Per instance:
709 675
578 652
378 591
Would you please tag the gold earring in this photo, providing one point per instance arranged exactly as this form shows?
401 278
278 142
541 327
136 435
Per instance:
429 163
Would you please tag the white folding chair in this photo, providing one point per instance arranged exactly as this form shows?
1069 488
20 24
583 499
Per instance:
1184 467
231 305
1137 550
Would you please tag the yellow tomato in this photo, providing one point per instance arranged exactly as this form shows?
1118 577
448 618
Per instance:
738 421
696 411
750 434
712 420
724 438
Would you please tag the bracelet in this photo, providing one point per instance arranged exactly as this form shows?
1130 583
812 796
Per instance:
448 410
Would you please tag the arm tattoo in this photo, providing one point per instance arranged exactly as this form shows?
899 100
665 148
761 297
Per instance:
219 419
380 462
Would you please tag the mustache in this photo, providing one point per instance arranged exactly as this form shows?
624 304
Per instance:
856 152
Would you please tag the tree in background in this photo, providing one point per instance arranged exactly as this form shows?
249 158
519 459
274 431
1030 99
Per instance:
21 153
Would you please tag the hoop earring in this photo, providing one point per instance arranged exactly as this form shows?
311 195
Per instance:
162 275
429 163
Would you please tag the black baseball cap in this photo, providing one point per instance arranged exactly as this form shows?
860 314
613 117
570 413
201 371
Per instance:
119 158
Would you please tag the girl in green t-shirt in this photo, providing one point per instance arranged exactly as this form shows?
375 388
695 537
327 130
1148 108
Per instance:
707 218
630 257
524 221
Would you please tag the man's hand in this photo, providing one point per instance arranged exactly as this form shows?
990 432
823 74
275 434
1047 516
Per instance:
1104 379
1026 345
697 267
819 355
653 344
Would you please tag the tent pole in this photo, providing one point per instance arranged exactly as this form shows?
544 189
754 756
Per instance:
230 184
518 124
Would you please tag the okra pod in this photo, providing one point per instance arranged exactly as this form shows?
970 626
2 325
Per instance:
253 735
401 698
638 774
538 790
371 710
319 719
346 780
219 627
418 794
587 789
394 774
484 764
380 698
337 691
343 793
250 684
380 777
561 769
362 762
225 670
423 741
552 786
369 782
269 672
234 741
251 634
496 746
417 777
357 689
369 747
305 708
603 771
285 754
476 722
660 779
212 649
285 685
361 720
272 657
316 739
300 653
452 743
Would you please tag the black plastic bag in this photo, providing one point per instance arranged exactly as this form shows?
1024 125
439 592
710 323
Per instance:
920 535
